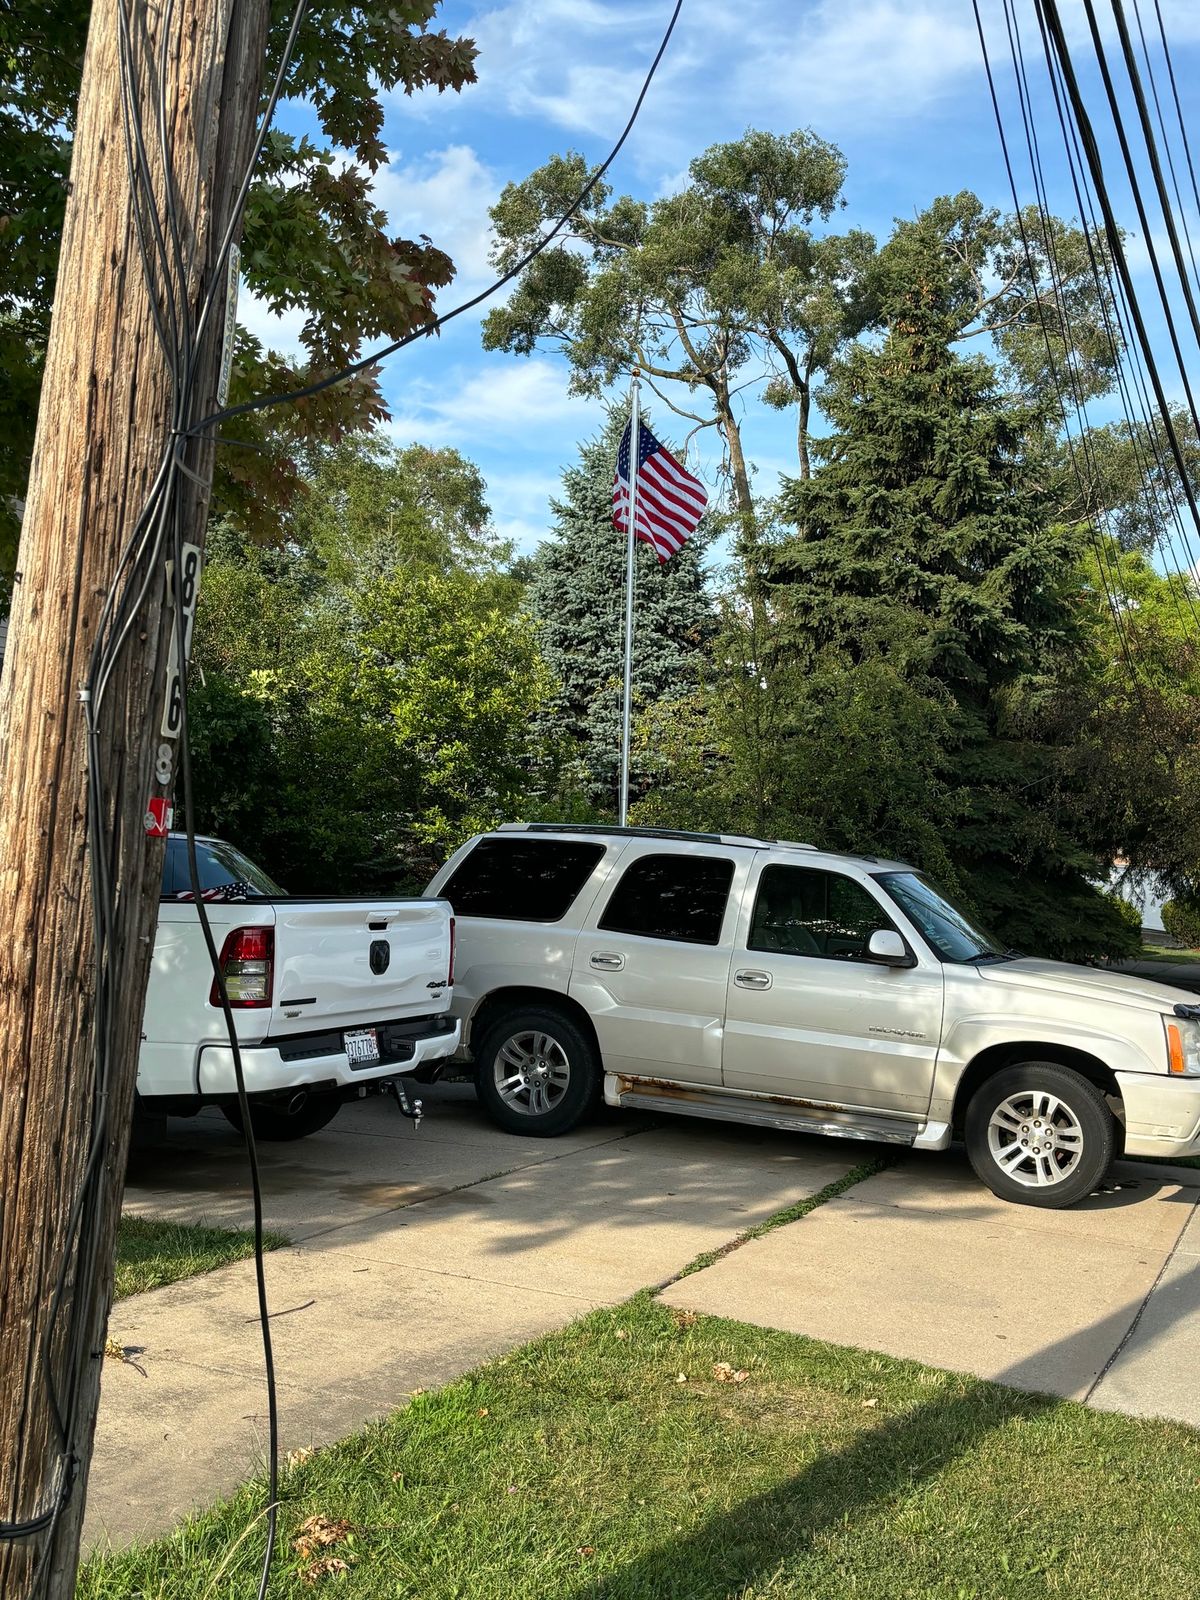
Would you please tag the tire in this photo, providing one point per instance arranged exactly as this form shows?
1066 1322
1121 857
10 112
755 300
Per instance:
275 1125
555 1061
1024 1103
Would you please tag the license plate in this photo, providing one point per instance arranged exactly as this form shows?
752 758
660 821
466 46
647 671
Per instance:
362 1047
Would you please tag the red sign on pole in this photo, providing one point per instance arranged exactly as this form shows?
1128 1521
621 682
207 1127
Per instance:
159 816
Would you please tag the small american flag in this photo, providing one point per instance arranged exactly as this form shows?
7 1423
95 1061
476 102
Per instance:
670 502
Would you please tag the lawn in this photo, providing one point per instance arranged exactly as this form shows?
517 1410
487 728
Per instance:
643 1454
152 1253
1171 952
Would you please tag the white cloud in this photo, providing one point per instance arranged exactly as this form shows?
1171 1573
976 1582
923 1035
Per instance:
445 194
276 332
516 399
579 64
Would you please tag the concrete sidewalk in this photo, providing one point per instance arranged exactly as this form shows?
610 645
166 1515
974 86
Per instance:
1098 1303
415 1258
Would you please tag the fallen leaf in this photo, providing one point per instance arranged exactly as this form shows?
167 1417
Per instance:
682 1378
323 1567
512 1488
869 1403
297 1458
320 1533
620 1334
586 1550
684 1319
119 1352
482 1412
724 1373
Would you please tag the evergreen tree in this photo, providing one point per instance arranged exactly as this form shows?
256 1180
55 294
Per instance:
927 541
576 597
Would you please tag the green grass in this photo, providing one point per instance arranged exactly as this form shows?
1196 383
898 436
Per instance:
1164 952
580 1467
152 1253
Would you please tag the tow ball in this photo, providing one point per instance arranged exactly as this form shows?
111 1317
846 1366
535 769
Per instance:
413 1110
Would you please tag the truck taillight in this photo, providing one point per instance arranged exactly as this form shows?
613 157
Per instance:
247 963
450 974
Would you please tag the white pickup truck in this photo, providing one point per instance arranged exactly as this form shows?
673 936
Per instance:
331 998
770 983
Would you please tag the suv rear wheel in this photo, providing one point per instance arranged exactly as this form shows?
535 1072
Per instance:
1040 1134
536 1071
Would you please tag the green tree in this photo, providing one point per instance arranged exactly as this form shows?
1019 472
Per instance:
370 505
576 597
927 543
360 706
719 286
314 237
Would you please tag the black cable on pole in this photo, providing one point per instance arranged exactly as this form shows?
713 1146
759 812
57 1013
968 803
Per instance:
1122 348
1187 150
352 368
1166 140
1115 243
1109 569
1164 199
1135 189
1008 166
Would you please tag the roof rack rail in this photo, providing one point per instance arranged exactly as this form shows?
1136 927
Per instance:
605 829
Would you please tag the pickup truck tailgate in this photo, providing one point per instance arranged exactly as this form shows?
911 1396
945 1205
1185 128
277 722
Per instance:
352 963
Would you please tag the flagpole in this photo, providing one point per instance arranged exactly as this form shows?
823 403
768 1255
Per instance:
634 440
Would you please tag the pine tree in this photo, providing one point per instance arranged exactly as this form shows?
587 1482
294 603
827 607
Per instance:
577 598
927 540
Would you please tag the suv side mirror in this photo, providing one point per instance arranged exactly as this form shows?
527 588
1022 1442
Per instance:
889 949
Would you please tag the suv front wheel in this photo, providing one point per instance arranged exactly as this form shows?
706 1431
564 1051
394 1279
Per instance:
536 1071
1040 1134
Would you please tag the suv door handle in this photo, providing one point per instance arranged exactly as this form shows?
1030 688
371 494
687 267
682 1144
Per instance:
752 979
606 961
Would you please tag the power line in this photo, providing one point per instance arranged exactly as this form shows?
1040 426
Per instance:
1116 245
429 328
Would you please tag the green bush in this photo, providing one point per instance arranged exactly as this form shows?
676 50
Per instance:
1129 913
1181 919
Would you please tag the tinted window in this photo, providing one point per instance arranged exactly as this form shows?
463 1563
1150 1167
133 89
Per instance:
219 864
523 880
671 897
801 911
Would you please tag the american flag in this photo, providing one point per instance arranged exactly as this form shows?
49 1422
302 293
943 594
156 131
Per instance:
670 502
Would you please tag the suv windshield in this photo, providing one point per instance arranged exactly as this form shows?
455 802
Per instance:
950 932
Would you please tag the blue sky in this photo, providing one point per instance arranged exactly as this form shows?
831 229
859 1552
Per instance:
898 85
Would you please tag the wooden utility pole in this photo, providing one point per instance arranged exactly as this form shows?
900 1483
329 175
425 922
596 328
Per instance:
105 411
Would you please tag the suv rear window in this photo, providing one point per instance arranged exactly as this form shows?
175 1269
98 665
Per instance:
671 897
521 880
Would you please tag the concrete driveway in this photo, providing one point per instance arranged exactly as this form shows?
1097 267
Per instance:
416 1256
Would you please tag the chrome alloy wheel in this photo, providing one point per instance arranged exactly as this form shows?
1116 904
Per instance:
532 1072
1035 1138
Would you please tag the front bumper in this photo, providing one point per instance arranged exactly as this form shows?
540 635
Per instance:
297 1062
1162 1114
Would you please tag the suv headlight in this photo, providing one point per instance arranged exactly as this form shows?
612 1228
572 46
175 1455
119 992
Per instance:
1183 1046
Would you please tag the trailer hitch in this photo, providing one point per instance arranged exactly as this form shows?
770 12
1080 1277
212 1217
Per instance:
413 1110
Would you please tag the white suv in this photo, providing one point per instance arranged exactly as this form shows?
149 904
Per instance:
771 983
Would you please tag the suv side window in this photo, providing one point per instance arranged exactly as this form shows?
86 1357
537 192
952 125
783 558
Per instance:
671 897
521 880
803 911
